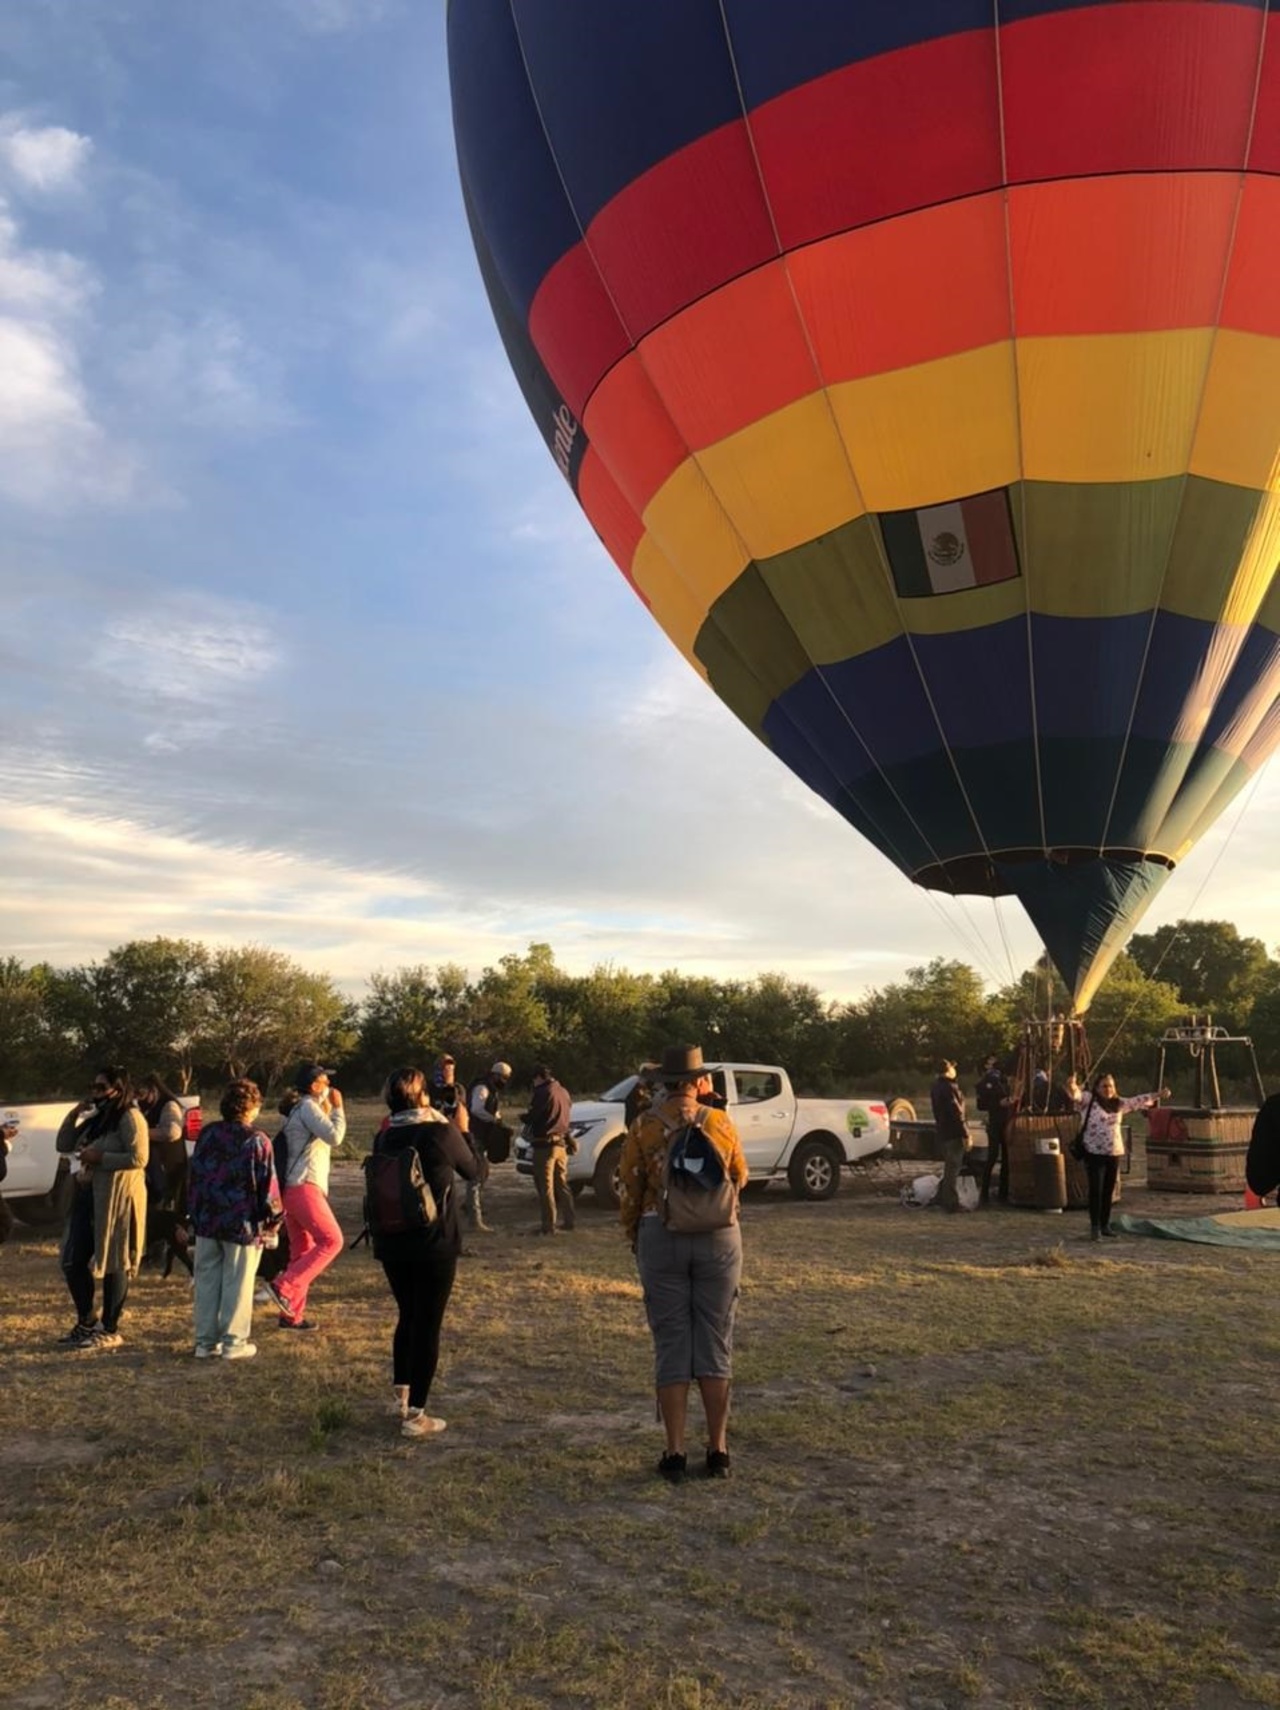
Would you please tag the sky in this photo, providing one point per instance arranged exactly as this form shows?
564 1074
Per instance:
303 639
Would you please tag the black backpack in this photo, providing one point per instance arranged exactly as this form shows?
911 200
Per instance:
397 1196
280 1155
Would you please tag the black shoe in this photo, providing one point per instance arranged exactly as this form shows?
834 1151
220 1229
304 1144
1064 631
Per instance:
717 1463
1110 1233
672 1468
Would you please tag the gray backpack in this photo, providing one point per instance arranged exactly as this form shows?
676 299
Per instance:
697 1194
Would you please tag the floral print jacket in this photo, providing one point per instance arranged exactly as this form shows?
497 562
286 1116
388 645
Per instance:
232 1193
644 1153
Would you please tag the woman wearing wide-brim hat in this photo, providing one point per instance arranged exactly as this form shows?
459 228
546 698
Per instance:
691 1280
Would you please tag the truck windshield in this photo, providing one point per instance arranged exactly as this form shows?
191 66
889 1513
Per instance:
618 1094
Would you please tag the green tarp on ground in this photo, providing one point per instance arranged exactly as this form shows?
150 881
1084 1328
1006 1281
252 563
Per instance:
1257 1229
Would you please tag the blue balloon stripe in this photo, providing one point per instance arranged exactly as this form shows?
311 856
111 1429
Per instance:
506 167
975 685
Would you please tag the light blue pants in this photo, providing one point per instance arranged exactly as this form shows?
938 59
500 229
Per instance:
225 1272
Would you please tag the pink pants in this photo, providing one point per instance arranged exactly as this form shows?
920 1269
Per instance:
315 1240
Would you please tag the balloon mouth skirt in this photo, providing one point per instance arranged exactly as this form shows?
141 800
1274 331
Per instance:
990 875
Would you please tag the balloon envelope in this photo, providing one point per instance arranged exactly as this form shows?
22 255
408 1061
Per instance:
922 374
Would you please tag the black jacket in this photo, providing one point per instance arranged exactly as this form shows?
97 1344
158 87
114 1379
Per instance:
442 1151
548 1114
947 1099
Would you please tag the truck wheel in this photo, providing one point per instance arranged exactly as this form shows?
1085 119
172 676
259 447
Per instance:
901 1110
814 1170
605 1181
44 1210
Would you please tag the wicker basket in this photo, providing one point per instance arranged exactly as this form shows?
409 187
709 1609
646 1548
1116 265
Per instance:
1021 1135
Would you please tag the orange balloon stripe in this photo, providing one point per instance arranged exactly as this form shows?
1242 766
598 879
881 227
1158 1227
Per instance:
1132 254
631 428
609 513
1252 302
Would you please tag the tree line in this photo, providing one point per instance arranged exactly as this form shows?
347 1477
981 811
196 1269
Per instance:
199 1016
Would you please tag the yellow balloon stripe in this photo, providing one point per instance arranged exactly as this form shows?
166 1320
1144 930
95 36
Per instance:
1095 412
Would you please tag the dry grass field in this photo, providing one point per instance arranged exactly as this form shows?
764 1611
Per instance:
977 1462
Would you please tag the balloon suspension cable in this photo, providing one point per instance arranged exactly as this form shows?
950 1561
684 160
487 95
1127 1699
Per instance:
1186 920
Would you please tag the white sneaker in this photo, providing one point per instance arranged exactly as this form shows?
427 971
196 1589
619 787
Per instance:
262 1295
241 1351
419 1423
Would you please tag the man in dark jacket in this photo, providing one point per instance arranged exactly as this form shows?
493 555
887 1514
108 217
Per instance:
992 1095
547 1125
953 1132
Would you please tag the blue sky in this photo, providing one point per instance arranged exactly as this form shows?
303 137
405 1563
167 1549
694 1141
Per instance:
303 640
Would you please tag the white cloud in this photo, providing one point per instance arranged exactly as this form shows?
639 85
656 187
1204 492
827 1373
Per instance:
45 159
189 648
54 450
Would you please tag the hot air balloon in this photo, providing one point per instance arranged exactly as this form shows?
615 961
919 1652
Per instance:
918 362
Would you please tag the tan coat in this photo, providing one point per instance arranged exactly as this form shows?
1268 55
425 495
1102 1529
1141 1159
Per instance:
119 1191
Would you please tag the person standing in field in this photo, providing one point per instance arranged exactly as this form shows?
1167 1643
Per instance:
486 1128
641 1095
235 1208
1102 1111
992 1099
108 1218
547 1124
447 1096
947 1099
690 1280
314 1126
166 1164
420 1263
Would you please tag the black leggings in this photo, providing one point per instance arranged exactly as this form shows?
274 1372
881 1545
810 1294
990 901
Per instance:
1102 1174
77 1266
422 1290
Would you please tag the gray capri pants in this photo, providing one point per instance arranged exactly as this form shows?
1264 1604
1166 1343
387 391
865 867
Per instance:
691 1287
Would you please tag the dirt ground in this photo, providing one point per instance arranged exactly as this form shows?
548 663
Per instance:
977 1461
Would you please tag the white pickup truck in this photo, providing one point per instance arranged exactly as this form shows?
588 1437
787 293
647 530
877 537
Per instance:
37 1185
807 1140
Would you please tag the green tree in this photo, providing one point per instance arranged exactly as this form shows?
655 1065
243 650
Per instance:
1264 1023
606 1019
38 1055
1209 964
412 1015
1128 1015
775 1019
265 1011
940 1010
144 1005
511 1014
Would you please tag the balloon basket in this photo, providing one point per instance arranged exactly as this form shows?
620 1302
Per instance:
1025 1135
1198 1151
